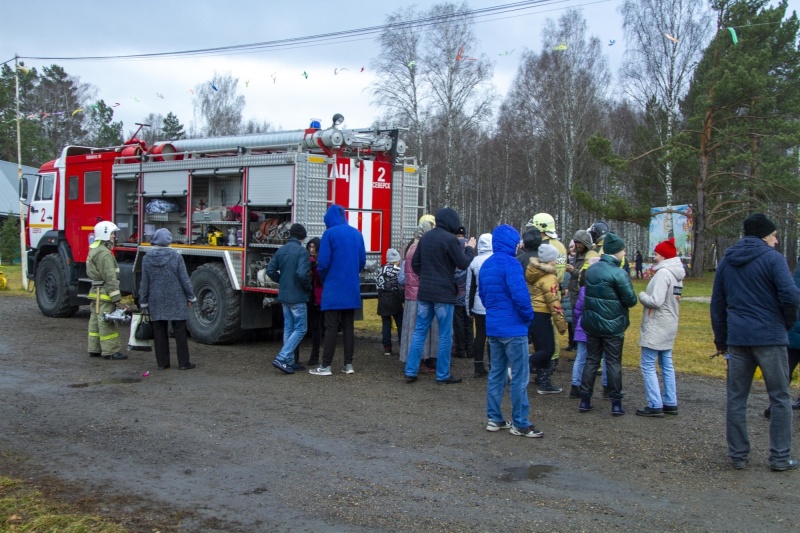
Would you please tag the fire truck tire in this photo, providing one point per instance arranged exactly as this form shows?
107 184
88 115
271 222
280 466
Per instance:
52 293
216 316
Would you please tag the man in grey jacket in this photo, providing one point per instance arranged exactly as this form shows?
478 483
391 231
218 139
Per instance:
659 328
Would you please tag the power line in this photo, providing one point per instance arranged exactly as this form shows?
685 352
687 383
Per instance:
324 38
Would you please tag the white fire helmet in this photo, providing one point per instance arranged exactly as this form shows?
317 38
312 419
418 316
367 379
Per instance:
103 230
545 223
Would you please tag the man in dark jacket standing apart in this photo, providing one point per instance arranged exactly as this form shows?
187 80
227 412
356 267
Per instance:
342 256
290 267
436 259
753 304
609 296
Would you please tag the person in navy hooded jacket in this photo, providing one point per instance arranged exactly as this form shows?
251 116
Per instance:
436 259
342 257
753 304
504 293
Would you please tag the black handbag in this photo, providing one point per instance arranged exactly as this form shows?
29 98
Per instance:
144 331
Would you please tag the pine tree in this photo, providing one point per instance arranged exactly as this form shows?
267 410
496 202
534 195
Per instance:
102 130
9 240
55 98
171 128
743 118
35 147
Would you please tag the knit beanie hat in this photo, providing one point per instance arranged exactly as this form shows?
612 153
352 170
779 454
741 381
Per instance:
582 236
162 237
531 240
298 231
547 253
612 244
392 255
667 248
758 225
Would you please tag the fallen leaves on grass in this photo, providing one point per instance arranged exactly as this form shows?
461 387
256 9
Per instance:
25 509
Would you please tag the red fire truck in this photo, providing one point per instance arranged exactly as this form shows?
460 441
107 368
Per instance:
229 203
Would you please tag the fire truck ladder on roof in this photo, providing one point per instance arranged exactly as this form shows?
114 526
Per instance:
409 199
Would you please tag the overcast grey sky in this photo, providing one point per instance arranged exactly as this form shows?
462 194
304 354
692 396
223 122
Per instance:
50 28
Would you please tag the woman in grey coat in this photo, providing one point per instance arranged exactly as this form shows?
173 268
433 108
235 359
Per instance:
659 328
166 293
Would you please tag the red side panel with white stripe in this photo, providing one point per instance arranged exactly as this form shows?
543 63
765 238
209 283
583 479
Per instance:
365 191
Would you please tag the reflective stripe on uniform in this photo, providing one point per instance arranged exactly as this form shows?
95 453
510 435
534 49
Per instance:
107 337
102 296
114 293
94 334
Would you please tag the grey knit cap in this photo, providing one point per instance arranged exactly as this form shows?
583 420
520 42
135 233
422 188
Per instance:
582 236
547 253
162 237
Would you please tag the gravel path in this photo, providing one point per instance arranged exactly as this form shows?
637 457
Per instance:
236 446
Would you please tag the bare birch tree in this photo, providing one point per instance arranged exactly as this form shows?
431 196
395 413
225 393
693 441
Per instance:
219 105
398 68
659 69
560 95
459 84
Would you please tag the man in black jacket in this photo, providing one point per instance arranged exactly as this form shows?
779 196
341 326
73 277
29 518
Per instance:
531 240
435 261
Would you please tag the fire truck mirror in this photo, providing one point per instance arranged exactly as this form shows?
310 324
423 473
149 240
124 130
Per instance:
23 189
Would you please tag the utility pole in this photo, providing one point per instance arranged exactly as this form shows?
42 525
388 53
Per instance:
22 252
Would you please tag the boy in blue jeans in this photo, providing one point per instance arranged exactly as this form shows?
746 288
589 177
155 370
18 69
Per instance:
508 313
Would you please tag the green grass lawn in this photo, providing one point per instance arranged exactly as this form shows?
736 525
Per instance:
693 346
13 275
23 508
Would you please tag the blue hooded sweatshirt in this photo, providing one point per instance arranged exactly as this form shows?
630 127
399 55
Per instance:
342 256
754 301
502 288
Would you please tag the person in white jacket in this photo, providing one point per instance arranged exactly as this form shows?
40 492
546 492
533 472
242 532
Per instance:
659 327
475 306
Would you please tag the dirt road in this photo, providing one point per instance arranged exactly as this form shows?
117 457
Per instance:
236 446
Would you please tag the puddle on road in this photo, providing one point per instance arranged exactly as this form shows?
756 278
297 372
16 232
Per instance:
109 381
522 473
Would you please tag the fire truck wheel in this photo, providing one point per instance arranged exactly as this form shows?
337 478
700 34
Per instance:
216 316
52 293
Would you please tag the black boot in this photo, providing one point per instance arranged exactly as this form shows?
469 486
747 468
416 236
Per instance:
480 371
545 385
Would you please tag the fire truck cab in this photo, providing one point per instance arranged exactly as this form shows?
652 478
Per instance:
228 202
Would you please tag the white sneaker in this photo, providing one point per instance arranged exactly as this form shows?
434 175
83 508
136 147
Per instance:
491 425
348 369
321 371
530 432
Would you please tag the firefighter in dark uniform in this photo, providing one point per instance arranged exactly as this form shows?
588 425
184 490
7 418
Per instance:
102 268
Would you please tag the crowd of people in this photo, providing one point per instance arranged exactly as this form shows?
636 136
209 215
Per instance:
506 301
